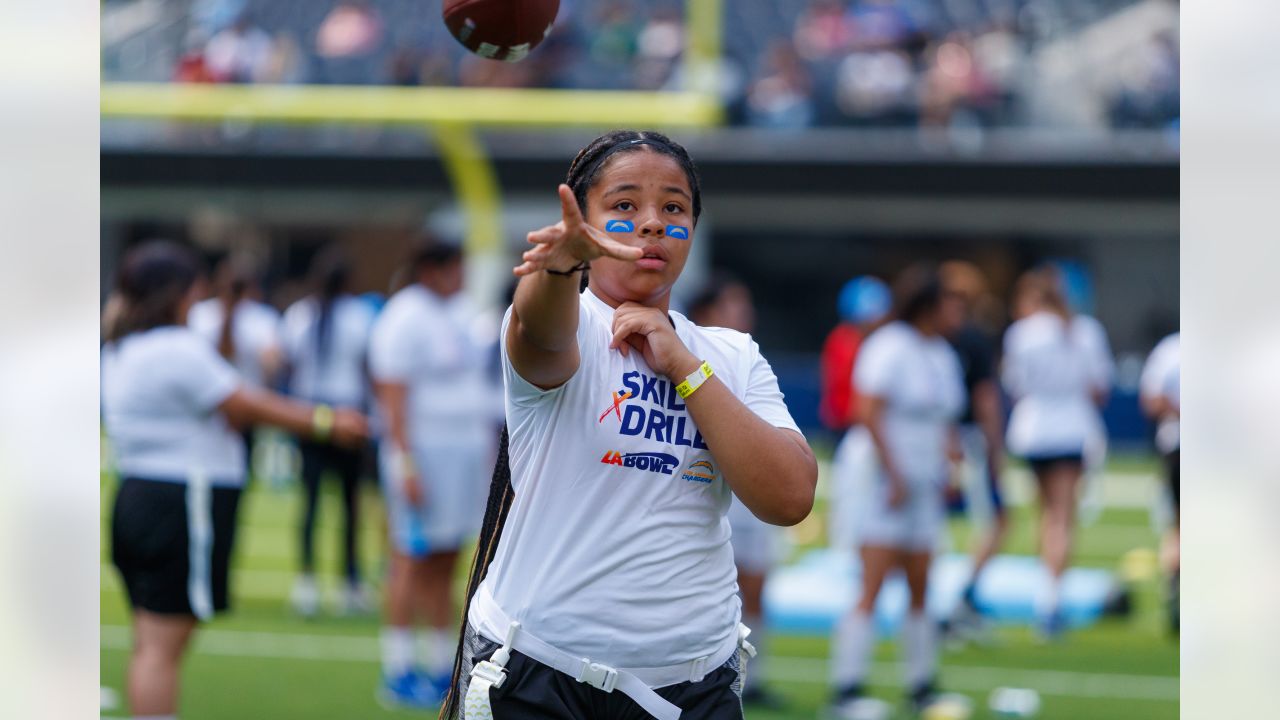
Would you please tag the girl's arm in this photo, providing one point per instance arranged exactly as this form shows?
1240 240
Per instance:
542 335
248 406
872 410
770 469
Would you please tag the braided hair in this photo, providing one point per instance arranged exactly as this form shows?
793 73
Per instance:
330 272
150 286
584 172
585 169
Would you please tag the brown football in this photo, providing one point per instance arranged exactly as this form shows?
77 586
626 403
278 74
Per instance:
500 29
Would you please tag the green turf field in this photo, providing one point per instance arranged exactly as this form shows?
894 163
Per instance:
260 661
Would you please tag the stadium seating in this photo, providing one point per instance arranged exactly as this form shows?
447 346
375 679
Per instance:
148 40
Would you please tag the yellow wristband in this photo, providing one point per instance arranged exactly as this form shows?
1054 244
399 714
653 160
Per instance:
694 380
322 422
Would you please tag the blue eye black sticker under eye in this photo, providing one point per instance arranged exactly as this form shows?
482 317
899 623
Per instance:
678 232
619 226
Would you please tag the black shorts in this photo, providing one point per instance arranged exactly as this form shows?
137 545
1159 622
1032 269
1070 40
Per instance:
1043 463
1173 468
172 545
534 691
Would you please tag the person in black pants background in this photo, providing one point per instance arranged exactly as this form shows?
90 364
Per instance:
326 336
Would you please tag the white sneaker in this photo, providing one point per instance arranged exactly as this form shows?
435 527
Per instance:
305 596
356 600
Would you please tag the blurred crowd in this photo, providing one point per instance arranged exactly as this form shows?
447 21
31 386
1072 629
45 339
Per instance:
788 65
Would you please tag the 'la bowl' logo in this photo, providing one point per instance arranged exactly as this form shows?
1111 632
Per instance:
652 461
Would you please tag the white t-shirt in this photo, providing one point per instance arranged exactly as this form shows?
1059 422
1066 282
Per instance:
1160 379
922 385
256 332
616 546
434 346
160 393
1051 371
337 378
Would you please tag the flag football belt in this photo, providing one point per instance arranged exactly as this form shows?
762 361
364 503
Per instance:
636 683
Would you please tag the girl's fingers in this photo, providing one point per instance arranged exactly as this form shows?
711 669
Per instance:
614 249
548 234
624 328
569 207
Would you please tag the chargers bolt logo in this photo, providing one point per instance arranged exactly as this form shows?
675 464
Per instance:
700 471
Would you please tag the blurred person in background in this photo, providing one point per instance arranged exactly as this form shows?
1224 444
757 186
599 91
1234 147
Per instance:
863 304
781 97
821 31
981 431
432 393
659 46
1161 396
348 36
326 337
245 330
170 404
1057 369
911 391
242 52
726 302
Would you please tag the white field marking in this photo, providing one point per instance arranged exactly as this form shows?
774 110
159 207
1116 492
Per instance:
349 648
1120 490
1063 683
282 646
245 583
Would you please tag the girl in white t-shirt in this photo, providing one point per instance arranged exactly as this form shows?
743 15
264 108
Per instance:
1057 369
435 399
326 340
170 404
1160 392
911 391
604 585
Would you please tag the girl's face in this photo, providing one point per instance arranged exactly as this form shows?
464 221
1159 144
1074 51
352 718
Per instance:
650 191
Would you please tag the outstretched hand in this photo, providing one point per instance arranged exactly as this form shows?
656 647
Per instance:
571 241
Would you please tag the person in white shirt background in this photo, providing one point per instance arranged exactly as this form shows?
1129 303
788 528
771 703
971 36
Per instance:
170 406
605 555
1057 370
1160 393
911 391
427 357
725 301
245 330
326 338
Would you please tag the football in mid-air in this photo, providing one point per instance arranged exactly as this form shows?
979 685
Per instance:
500 29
